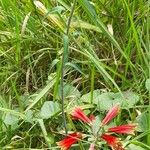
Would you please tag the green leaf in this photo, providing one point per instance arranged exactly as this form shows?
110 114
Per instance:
147 84
29 116
49 109
105 101
86 97
25 100
10 119
130 99
142 121
70 92
134 147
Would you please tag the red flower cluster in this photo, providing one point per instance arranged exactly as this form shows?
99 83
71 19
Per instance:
112 141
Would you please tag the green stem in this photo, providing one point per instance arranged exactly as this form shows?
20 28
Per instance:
148 58
64 60
92 83
148 137
62 88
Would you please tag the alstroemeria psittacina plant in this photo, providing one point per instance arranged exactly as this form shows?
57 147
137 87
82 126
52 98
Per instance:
111 140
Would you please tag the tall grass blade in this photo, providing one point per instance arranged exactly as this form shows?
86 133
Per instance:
93 16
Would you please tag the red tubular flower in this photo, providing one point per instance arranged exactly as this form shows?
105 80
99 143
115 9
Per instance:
92 118
125 129
111 114
112 141
70 139
79 114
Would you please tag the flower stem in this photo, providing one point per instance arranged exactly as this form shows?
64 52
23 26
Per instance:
64 60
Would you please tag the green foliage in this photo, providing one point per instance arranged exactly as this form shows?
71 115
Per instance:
10 119
105 101
106 55
70 92
142 121
132 146
49 109
147 84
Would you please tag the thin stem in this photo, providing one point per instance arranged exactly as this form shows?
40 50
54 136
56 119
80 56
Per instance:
64 59
62 95
147 43
71 14
92 82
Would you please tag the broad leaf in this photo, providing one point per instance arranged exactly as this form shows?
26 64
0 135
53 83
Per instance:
86 97
130 99
29 116
105 101
70 92
11 119
142 121
49 109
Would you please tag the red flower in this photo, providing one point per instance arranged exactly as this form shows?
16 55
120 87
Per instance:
112 141
70 139
79 114
125 129
92 118
111 114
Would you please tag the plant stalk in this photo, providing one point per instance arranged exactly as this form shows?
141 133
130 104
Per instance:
64 60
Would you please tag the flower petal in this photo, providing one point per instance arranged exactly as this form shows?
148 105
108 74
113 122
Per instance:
70 139
111 114
79 114
112 141
125 129
92 118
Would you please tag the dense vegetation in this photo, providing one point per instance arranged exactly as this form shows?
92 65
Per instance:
97 50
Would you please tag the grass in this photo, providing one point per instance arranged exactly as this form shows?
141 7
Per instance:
45 45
